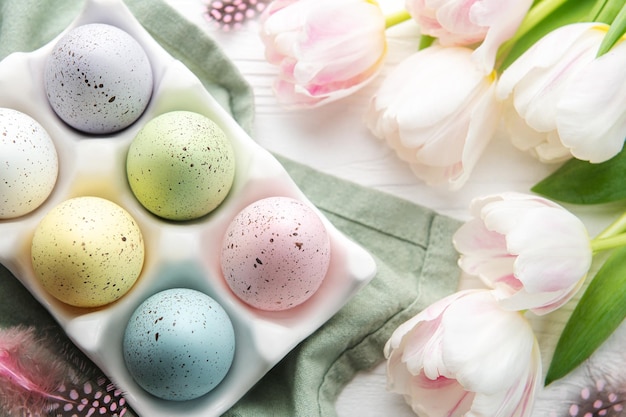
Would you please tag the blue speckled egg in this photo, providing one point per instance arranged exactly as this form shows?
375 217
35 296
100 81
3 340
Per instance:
98 79
179 344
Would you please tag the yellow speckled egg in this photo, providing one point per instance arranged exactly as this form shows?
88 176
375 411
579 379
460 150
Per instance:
87 252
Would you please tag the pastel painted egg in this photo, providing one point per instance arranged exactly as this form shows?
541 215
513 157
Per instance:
181 165
179 344
87 252
98 79
275 253
28 164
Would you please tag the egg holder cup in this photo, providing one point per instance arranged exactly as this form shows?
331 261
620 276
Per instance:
178 254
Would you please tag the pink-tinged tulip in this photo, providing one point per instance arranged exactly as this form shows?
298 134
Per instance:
467 22
563 100
438 111
534 253
325 49
465 356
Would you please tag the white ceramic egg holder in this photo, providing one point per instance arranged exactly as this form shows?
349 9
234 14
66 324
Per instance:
177 254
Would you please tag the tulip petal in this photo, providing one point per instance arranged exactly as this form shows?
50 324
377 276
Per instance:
593 109
536 98
539 303
477 130
542 55
545 146
503 19
475 325
426 75
441 397
331 48
483 124
504 214
431 313
484 252
557 253
482 327
456 18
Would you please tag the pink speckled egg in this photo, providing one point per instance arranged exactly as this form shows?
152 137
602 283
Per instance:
275 253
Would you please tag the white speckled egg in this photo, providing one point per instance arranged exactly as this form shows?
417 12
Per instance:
179 344
87 252
28 164
181 165
98 79
275 253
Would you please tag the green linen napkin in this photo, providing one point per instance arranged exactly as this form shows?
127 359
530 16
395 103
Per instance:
416 265
411 244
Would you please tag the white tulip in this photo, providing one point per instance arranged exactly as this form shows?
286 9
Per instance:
534 253
465 356
564 101
438 111
324 49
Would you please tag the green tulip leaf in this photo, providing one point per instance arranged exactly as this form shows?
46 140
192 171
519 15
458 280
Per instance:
581 182
599 312
617 29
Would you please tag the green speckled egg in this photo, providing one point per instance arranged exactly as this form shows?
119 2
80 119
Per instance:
87 252
181 165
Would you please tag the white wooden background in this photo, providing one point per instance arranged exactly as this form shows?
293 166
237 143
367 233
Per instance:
333 139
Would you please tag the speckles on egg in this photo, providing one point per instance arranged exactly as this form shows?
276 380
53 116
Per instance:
181 165
275 253
98 79
87 252
28 164
179 344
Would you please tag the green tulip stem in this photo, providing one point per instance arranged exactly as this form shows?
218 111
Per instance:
396 18
606 11
615 228
612 237
606 243
597 11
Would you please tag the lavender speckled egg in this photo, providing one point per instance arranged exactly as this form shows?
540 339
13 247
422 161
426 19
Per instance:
29 164
275 253
98 79
179 344
181 165
87 252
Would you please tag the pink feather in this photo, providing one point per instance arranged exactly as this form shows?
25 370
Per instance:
28 376
232 14
40 376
